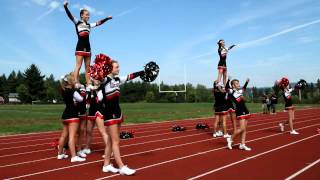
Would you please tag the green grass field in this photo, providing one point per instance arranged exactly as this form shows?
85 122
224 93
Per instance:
15 119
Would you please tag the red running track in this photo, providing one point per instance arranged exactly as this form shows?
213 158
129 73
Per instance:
158 153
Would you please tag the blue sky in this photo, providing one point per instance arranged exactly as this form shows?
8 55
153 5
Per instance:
274 38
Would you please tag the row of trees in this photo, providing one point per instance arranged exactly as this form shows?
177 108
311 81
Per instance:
140 91
31 85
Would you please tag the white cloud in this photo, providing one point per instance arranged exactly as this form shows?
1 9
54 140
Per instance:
76 6
265 39
204 55
285 31
264 71
100 13
307 39
40 2
127 12
253 28
45 14
233 21
53 5
267 62
95 11
131 10
91 9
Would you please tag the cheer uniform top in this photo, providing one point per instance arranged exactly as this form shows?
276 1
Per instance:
287 98
242 111
94 105
81 106
70 113
109 95
229 104
222 51
83 31
220 101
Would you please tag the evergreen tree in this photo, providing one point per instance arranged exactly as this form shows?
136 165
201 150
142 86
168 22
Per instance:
51 88
12 82
20 78
34 83
3 86
24 95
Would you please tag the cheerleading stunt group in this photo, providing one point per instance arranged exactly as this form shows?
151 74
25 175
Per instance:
228 93
97 103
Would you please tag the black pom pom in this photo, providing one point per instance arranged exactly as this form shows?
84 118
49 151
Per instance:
126 134
151 71
202 126
178 128
301 84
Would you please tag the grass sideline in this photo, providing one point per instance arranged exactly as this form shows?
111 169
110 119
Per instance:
16 119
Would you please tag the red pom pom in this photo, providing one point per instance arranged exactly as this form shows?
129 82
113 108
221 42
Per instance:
283 82
101 68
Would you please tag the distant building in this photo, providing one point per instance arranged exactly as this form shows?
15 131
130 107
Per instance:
1 100
14 98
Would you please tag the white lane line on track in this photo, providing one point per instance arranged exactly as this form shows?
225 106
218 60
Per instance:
139 132
135 144
39 144
51 149
147 130
252 157
200 153
58 132
157 149
126 125
26 162
302 170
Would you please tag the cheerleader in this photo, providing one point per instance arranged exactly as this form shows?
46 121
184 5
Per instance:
83 49
70 118
286 93
82 111
220 110
229 105
264 104
242 114
274 101
222 65
93 103
109 95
